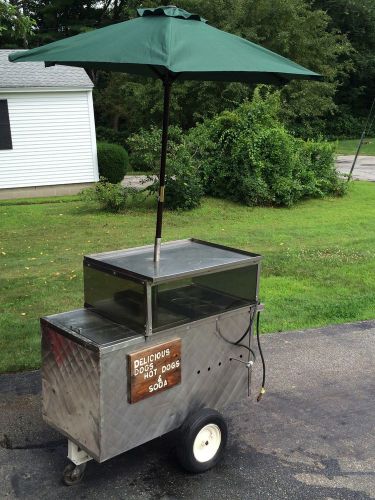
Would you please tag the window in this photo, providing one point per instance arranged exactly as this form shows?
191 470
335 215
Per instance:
188 299
5 133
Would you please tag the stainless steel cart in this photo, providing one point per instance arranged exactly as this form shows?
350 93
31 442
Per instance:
157 346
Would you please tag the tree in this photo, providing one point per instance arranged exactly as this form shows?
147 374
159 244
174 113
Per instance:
318 34
295 30
355 18
15 27
124 102
291 28
56 19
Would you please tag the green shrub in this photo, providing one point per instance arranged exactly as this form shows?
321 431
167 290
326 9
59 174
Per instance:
110 197
145 148
113 161
319 159
183 186
247 155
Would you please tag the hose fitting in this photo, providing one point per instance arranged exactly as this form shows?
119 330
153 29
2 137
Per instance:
260 395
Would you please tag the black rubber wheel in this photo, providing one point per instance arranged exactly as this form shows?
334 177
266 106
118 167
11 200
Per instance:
73 474
202 440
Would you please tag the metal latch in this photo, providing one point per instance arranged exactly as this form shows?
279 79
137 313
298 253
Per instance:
248 364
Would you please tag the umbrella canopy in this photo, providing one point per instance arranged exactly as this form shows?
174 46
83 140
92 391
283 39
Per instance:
168 40
171 44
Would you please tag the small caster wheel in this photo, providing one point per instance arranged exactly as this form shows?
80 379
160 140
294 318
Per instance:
73 474
203 438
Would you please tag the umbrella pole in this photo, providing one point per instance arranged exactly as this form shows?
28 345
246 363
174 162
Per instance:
163 158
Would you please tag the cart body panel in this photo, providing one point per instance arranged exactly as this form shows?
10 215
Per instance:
85 387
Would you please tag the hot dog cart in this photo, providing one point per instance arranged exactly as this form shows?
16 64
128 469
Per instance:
158 346
164 339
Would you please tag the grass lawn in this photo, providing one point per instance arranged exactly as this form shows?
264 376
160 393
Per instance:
349 147
318 268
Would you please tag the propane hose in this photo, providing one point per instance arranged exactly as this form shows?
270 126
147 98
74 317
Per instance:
262 389
238 342
251 352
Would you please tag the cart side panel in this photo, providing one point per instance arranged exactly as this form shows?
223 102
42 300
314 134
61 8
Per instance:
210 378
70 387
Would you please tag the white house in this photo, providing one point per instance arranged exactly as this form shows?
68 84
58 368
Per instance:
47 130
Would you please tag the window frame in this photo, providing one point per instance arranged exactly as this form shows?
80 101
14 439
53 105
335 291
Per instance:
6 142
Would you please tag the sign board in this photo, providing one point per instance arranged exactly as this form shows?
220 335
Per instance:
154 370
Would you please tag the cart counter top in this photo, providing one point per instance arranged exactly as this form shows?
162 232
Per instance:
91 330
177 259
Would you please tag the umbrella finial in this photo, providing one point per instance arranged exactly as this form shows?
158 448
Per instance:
170 11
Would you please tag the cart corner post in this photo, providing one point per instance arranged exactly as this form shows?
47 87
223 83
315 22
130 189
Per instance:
148 331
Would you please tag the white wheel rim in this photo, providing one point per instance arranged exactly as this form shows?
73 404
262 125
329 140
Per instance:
207 443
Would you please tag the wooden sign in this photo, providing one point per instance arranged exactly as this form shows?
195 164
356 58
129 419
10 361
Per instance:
154 370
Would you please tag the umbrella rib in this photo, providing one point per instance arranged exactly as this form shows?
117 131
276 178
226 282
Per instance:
172 76
282 79
157 73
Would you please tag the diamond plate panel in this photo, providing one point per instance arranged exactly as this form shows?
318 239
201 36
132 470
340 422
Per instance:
70 388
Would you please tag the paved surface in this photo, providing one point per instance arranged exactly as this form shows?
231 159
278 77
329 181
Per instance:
311 437
136 181
364 169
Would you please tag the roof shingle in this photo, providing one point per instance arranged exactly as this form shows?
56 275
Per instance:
34 74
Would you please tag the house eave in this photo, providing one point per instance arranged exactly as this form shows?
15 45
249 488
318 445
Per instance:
18 90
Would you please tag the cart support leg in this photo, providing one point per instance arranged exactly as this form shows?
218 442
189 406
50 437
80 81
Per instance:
76 454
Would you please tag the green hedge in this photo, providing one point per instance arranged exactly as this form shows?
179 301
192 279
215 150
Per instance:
247 155
113 161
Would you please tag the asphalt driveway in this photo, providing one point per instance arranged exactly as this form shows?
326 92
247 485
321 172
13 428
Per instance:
311 437
364 169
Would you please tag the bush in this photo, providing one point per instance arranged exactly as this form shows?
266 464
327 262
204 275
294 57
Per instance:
183 187
247 155
113 162
319 159
110 197
145 147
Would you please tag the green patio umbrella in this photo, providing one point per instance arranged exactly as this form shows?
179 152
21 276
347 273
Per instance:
171 44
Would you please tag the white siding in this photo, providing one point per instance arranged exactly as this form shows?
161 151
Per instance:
53 136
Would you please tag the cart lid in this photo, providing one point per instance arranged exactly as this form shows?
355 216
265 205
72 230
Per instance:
90 329
177 259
